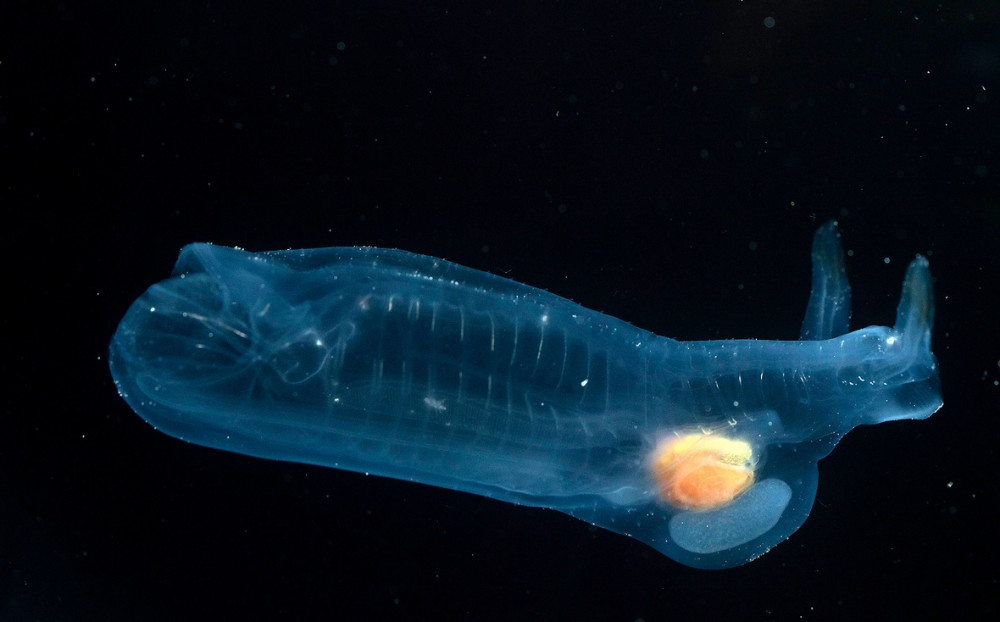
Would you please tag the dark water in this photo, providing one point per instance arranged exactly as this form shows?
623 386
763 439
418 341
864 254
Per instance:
666 164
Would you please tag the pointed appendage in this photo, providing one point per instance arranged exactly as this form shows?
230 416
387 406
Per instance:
829 309
915 314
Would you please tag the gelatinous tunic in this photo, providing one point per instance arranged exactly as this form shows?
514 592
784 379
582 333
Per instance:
401 365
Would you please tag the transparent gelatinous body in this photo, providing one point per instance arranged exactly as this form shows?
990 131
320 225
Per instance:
401 365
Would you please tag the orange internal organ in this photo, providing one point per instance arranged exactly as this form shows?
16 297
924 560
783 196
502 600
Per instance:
702 471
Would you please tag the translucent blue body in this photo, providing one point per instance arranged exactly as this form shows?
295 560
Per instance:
401 365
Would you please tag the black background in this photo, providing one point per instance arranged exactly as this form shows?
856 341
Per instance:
666 163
